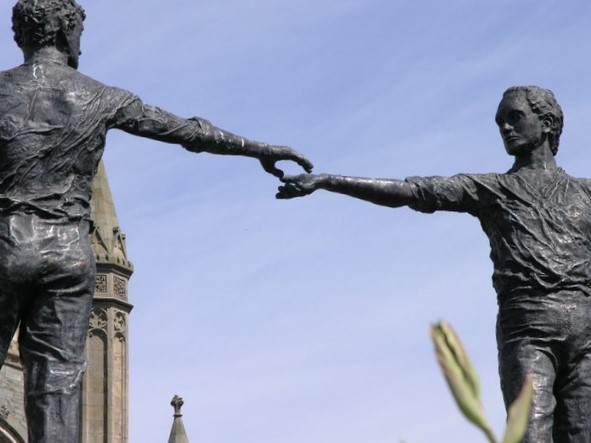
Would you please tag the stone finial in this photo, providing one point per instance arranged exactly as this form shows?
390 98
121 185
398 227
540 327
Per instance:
177 433
177 403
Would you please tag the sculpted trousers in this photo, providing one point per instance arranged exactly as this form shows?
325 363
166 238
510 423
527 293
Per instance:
47 277
549 336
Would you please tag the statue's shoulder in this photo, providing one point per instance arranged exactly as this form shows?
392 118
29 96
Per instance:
88 87
46 75
484 177
561 173
9 76
103 86
582 181
77 78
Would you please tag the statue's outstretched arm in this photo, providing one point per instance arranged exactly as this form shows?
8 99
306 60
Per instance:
385 192
199 135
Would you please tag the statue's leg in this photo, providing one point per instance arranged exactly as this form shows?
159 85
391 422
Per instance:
573 412
53 335
11 298
573 388
527 338
515 363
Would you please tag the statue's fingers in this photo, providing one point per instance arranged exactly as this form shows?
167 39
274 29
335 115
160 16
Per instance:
287 153
288 178
283 193
269 166
289 190
305 163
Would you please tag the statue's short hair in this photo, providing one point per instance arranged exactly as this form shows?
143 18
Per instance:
543 103
36 23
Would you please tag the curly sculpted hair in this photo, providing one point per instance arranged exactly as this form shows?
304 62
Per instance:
36 23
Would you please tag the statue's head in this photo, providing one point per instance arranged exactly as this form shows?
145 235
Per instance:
543 103
41 23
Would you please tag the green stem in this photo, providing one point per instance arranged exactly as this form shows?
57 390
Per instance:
490 436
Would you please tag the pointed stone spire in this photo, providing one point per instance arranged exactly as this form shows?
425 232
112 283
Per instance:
107 240
104 398
177 433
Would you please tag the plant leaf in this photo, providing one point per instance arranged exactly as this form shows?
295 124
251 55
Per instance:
460 375
519 413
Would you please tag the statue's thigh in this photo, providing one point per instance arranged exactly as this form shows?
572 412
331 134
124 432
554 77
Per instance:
518 359
573 409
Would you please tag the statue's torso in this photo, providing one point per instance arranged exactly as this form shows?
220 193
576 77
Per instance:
53 123
538 224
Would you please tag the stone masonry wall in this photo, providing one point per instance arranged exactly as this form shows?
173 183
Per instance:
11 398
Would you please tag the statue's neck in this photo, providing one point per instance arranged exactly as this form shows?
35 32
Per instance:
46 54
538 159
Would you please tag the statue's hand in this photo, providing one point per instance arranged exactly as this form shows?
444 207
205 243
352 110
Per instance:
273 154
298 186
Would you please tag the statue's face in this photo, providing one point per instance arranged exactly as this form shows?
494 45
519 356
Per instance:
521 128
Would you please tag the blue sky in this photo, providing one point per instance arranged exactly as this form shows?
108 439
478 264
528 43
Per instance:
306 321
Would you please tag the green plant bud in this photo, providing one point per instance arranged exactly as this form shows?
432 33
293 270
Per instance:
460 375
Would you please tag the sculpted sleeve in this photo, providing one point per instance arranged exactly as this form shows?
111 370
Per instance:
194 134
138 118
459 193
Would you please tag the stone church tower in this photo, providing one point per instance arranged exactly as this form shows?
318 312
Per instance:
104 398
13 427
104 402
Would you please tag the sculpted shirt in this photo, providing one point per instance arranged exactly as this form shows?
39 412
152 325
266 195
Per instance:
538 224
53 123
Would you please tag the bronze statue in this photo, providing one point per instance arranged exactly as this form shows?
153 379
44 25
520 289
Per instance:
538 221
53 123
